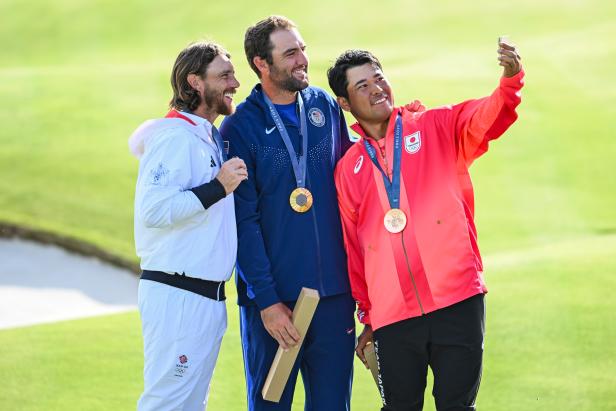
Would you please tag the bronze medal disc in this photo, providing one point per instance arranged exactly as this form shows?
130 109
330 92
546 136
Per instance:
301 200
395 220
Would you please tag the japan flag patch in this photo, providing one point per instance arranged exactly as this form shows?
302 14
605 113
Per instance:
412 143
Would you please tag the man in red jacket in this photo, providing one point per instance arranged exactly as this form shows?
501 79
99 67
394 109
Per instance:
407 208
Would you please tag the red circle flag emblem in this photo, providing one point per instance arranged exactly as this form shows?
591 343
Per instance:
412 143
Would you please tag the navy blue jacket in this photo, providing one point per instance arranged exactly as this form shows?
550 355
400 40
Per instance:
279 250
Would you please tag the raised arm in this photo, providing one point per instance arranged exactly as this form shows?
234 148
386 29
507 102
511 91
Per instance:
476 122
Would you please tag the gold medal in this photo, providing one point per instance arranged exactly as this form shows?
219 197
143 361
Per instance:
301 200
395 220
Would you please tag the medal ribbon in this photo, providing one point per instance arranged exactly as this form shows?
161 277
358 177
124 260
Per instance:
392 187
299 165
219 143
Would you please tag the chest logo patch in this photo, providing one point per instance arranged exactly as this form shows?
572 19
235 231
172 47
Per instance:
358 164
316 117
412 143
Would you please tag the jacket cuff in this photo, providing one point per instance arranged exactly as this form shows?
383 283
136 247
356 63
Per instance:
266 298
516 81
210 193
363 317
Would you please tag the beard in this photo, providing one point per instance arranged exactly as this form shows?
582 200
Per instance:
286 81
215 100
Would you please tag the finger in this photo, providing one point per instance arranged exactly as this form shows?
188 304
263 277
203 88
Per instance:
360 355
507 60
234 162
287 338
510 69
279 338
507 53
506 45
292 331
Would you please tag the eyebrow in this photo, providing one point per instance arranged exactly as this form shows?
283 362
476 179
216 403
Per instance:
225 72
298 47
376 75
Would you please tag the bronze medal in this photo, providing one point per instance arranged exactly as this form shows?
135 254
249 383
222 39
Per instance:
301 199
395 220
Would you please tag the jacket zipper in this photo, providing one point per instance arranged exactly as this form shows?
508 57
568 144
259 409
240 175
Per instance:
320 269
316 235
408 266
314 222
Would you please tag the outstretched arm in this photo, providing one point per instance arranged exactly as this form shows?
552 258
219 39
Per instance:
475 123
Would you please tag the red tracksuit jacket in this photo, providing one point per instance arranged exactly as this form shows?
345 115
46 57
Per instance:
434 262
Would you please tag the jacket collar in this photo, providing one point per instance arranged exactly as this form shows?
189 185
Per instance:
256 97
198 126
390 125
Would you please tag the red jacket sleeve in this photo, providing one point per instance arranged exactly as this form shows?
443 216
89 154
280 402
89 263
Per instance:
355 261
476 122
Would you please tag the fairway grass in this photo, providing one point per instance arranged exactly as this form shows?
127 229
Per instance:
548 346
76 78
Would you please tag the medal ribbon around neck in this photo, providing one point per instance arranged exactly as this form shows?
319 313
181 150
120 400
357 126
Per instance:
395 219
392 187
301 198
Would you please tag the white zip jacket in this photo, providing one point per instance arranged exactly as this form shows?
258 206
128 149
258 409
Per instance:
173 231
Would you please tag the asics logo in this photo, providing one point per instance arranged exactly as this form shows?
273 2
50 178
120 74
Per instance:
358 164
270 130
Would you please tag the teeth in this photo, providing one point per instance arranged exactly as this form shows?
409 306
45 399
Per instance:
379 101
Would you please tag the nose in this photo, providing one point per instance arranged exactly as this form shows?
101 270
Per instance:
303 58
234 82
376 89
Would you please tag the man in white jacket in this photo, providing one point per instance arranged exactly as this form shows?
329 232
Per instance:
185 230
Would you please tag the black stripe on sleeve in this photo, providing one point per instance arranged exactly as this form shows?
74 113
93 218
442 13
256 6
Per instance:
210 193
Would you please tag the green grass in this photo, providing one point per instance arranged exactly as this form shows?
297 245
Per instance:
548 345
77 77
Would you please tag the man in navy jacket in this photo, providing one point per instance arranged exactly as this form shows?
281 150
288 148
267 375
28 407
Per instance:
290 135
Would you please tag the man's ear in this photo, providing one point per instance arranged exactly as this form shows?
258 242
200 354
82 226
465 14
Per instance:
261 64
344 103
196 82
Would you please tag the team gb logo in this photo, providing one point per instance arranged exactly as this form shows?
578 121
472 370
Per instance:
412 143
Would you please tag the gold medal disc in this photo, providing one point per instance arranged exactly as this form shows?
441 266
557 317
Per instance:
301 200
395 220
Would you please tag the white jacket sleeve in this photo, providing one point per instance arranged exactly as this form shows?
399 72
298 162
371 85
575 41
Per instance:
163 197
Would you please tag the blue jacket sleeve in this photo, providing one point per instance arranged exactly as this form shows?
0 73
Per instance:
253 261
345 140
